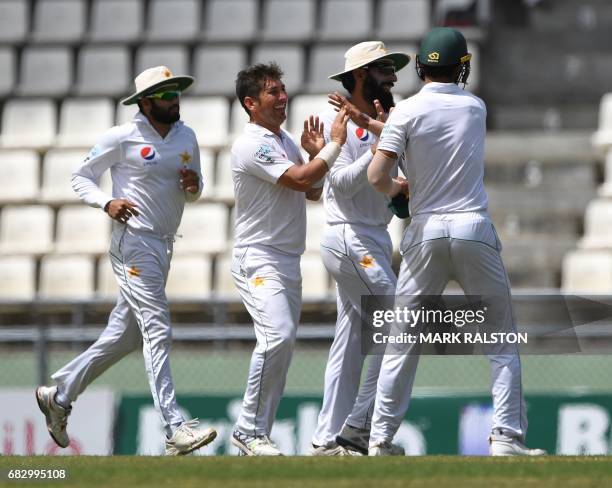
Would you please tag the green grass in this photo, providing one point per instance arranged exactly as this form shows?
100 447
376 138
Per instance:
229 472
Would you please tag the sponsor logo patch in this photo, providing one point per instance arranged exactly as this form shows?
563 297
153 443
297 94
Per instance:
148 153
433 57
263 154
362 134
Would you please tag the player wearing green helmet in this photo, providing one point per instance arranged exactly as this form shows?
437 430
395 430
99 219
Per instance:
443 53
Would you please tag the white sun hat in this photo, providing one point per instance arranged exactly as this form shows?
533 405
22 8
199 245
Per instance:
367 52
150 80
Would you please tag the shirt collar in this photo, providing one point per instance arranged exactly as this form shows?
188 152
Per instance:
140 118
436 87
253 128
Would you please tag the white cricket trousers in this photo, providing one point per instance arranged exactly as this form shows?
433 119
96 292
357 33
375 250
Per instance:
141 262
359 259
270 285
436 249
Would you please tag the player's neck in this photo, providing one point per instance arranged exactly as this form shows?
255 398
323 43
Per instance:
362 104
161 128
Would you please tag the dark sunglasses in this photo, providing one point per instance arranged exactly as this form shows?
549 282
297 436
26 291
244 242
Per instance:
384 68
165 95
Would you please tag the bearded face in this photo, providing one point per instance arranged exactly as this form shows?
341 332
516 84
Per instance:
378 87
165 112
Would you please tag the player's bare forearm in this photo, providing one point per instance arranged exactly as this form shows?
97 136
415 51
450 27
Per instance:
379 172
314 194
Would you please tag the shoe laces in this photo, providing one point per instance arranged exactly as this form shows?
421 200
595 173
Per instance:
189 425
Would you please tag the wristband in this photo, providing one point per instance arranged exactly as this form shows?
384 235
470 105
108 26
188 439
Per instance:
329 153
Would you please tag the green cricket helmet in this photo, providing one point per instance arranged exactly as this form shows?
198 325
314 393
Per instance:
444 46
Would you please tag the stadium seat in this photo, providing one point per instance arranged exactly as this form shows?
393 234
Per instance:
66 277
208 117
58 165
603 137
289 57
26 229
215 69
288 21
106 287
45 71
125 113
408 82
346 20
8 70
175 57
19 176
28 123
302 107
82 230
189 278
178 20
116 20
238 119
203 229
325 60
83 121
17 277
224 189
207 166
59 21
224 282
14 20
315 279
587 272
231 20
104 71
315 225
403 19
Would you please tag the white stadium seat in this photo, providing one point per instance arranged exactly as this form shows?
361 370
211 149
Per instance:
207 166
174 21
104 71
238 119
403 19
19 175
289 57
106 287
288 21
28 123
302 107
346 20
175 57
45 71
8 70
26 229
325 60
224 189
224 282
82 229
59 21
17 277
208 117
116 20
231 20
215 69
66 277
58 166
83 121
203 229
14 16
190 277
125 113
315 225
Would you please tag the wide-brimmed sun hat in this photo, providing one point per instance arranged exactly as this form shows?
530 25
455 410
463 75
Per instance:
367 52
150 80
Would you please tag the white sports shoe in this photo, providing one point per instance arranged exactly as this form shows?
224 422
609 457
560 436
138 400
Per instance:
55 415
187 438
503 445
250 445
386 448
332 450
354 438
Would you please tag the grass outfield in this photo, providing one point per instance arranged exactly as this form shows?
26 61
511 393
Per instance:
229 472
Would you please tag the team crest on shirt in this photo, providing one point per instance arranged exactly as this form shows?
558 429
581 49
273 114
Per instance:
263 154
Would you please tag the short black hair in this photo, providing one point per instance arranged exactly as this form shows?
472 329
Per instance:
439 72
251 81
348 81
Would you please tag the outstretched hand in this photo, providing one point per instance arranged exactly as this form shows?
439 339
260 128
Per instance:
338 128
340 102
312 139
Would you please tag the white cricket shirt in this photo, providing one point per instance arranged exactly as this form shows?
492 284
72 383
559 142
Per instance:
267 214
145 170
348 198
441 130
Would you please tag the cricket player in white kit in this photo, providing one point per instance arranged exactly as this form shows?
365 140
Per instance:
271 184
356 248
441 131
155 168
